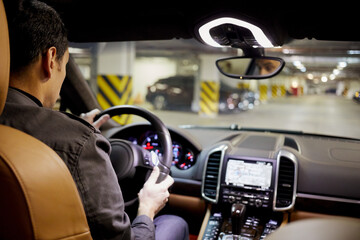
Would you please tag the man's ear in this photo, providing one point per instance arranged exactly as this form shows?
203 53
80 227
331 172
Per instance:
48 62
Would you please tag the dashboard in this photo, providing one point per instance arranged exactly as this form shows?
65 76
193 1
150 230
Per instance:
277 176
264 170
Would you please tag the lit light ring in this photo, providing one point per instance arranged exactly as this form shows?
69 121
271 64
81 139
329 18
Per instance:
258 34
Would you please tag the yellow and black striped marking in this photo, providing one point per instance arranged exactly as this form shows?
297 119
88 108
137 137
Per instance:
301 92
209 98
243 85
283 91
115 90
274 91
263 88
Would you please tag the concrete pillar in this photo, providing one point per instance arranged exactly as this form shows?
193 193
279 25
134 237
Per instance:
264 88
115 83
208 86
354 86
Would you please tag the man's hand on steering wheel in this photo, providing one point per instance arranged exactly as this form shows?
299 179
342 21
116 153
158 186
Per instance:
89 117
154 196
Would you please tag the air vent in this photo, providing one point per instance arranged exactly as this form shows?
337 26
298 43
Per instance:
286 181
212 175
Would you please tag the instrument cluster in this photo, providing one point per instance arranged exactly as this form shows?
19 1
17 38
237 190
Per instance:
183 155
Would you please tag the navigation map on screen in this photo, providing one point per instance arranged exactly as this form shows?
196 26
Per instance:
241 173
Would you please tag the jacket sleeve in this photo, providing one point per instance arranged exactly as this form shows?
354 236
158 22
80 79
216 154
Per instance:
102 196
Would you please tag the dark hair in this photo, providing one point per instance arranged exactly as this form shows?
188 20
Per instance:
34 27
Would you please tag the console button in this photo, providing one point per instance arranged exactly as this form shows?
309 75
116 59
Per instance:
231 199
258 203
249 232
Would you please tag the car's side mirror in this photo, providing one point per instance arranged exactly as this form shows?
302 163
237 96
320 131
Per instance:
250 67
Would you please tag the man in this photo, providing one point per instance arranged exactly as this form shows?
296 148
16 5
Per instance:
39 54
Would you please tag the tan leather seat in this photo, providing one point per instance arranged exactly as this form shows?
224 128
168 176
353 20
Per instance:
38 197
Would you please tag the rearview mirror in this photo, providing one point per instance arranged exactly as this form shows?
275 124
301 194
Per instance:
250 68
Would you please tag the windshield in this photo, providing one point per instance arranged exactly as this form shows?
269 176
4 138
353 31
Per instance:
316 92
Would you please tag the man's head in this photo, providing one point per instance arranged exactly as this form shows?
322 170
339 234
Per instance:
38 47
33 29
267 66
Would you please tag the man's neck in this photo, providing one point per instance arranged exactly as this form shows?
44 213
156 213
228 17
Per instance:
29 80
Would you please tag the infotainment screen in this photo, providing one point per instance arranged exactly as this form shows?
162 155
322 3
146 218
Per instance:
251 174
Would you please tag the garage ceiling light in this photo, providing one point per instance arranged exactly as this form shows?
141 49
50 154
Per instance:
258 34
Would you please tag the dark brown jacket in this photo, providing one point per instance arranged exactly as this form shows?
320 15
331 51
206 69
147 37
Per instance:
86 153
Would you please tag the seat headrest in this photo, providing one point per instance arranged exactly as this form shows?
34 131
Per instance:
5 57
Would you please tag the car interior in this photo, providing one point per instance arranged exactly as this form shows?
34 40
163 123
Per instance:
230 182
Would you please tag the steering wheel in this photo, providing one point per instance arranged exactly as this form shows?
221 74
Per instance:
131 162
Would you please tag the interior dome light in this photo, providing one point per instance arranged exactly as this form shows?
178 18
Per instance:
260 37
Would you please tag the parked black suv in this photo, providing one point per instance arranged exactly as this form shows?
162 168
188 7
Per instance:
171 93
177 92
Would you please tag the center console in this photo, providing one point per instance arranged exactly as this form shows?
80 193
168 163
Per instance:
249 195
248 182
256 226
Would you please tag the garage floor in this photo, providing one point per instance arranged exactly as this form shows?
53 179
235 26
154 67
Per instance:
319 114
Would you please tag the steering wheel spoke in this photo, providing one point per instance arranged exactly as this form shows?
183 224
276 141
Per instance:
145 158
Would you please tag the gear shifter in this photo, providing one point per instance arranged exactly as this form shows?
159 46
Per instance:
237 217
